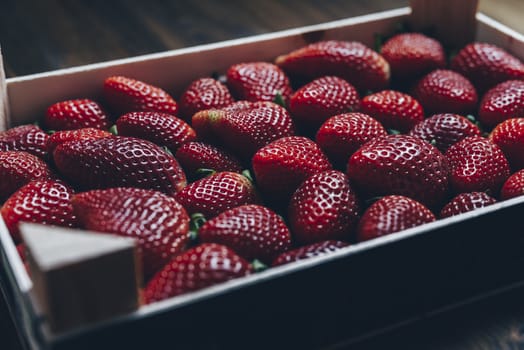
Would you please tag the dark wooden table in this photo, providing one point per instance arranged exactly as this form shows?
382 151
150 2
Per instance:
37 36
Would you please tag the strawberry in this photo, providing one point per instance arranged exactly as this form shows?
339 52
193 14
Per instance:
17 168
391 214
193 156
119 162
340 136
216 193
465 202
444 130
393 109
322 98
477 164
400 164
353 61
28 138
486 65
258 81
64 136
76 114
281 166
244 127
411 55
204 93
504 101
509 136
514 186
40 201
158 222
252 231
324 207
309 251
125 95
160 128
197 268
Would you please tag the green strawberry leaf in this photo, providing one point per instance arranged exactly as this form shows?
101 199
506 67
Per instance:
204 172
113 130
196 222
279 100
258 265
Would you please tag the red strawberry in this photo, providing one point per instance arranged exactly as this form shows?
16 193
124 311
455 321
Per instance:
119 162
17 168
465 202
513 187
281 166
29 138
391 214
411 55
197 268
477 164
258 81
252 231
315 102
40 201
504 101
124 95
393 109
340 136
403 165
309 251
158 222
76 114
444 130
323 207
160 128
244 127
486 65
445 91
193 156
64 136
509 136
204 93
352 61
216 193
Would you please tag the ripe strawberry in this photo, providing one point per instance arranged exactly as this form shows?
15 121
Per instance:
486 65
444 130
17 168
393 109
28 138
216 193
323 207
64 136
160 128
509 136
244 127
340 136
119 162
465 202
353 61
281 166
158 222
125 95
309 251
400 164
504 101
204 93
252 231
315 102
76 114
40 201
193 156
391 214
258 81
197 268
445 91
513 187
477 164
411 55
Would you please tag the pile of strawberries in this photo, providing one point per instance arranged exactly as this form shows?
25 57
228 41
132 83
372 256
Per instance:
344 145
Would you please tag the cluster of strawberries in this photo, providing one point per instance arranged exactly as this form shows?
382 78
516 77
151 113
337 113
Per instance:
330 167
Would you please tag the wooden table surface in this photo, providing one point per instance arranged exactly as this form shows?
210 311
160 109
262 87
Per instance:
38 36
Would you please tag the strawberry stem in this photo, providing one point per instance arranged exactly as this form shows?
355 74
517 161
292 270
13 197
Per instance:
279 100
196 222
113 130
258 265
